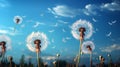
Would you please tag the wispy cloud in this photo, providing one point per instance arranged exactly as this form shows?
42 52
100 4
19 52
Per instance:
64 50
9 31
95 53
94 19
63 30
113 22
65 39
52 40
55 25
51 31
96 30
41 15
30 21
65 11
93 8
37 24
20 43
24 16
23 25
68 38
3 31
3 3
113 6
49 57
62 22
29 57
109 34
90 9
110 48
54 47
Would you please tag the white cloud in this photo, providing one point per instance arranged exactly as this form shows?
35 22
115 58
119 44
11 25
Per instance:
82 23
9 32
37 35
37 24
109 34
86 13
3 31
110 48
65 11
7 40
48 57
113 6
90 9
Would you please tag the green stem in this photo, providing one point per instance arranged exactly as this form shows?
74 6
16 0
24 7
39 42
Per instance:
58 61
79 55
15 28
38 59
91 59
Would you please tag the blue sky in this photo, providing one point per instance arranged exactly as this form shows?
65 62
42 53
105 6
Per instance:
54 18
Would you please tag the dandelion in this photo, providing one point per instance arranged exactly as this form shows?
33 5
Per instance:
81 30
82 24
3 47
17 20
35 41
58 55
88 47
34 36
5 43
54 63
